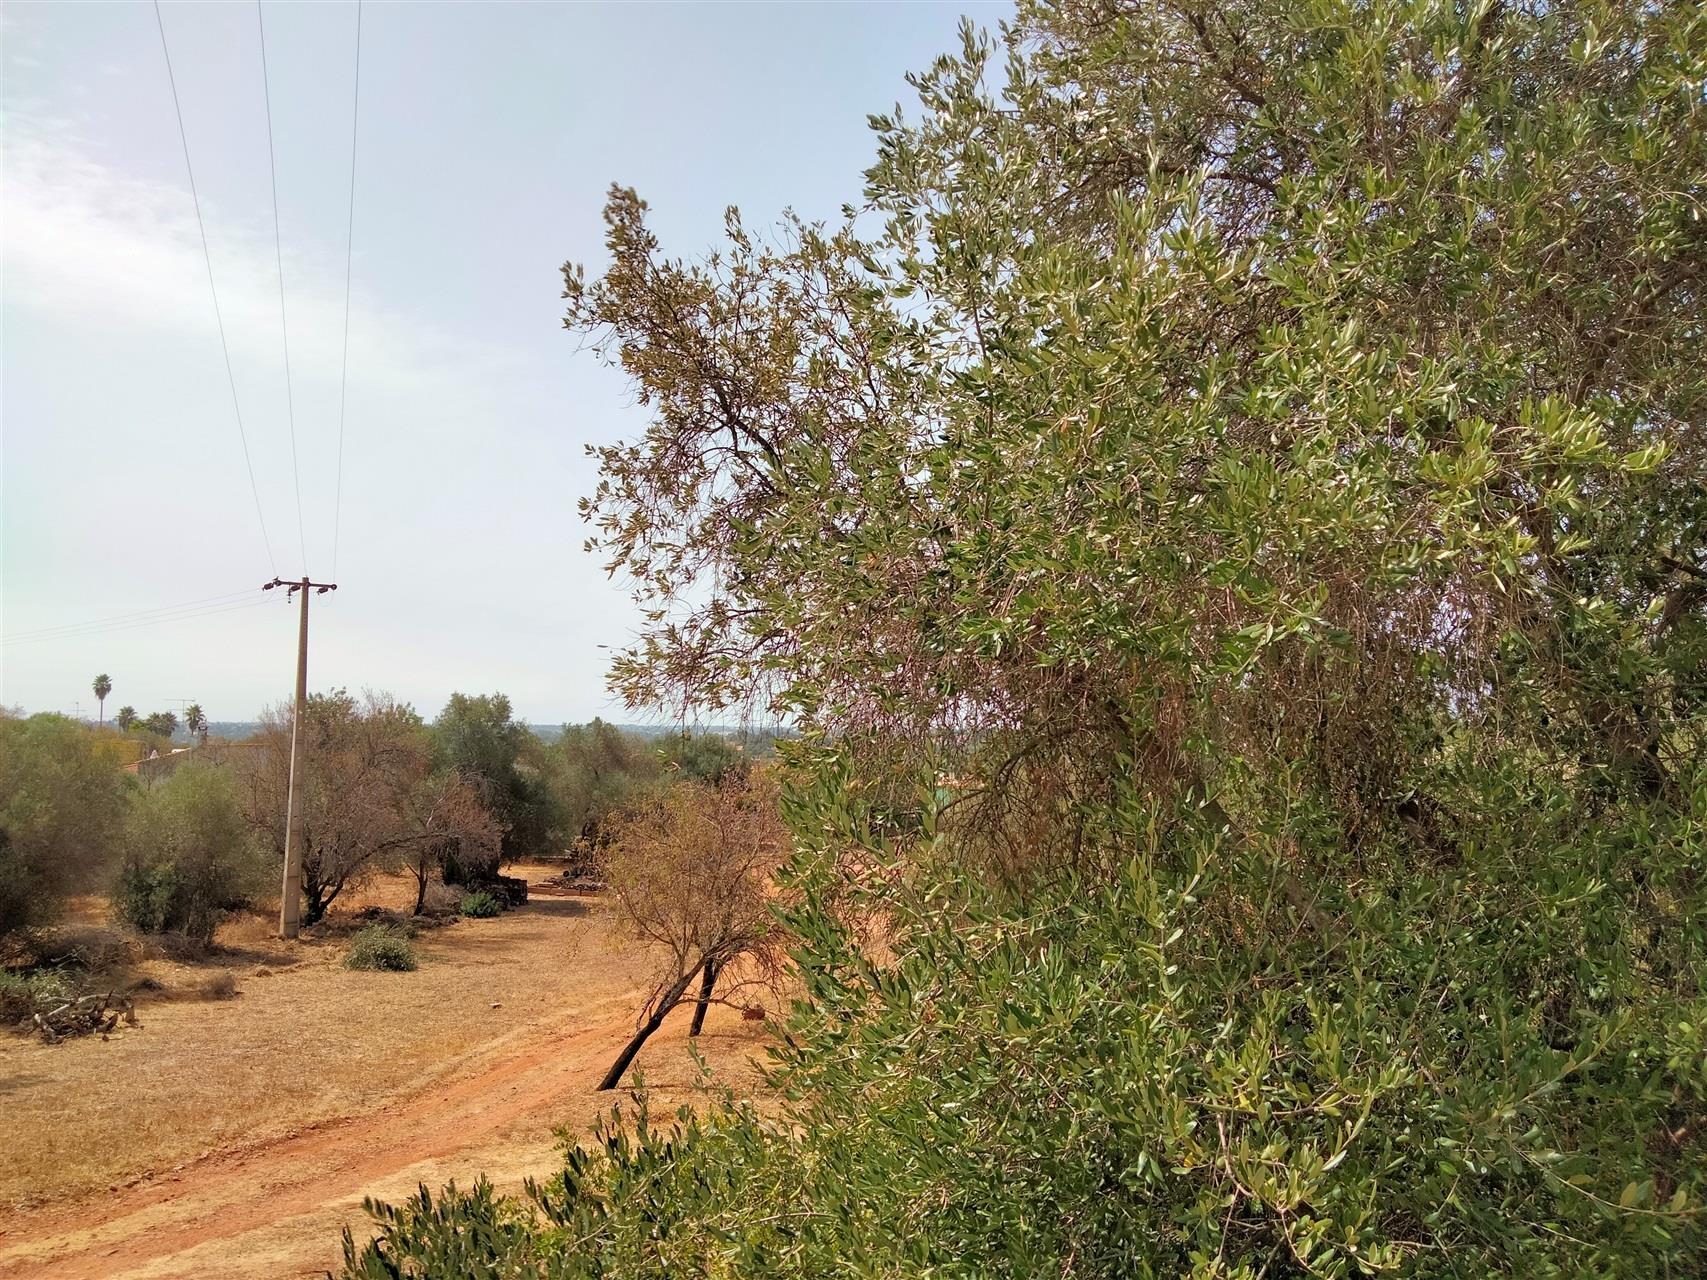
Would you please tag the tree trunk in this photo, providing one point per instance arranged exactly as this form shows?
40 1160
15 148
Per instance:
669 1000
710 978
316 900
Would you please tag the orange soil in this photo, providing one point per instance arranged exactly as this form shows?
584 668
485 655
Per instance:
274 1207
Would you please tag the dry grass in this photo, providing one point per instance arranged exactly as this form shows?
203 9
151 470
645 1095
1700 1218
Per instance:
284 1037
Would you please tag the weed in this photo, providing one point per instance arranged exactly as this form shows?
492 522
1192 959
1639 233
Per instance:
381 947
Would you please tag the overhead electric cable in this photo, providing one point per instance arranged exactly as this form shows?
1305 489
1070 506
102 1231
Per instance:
278 253
219 318
349 254
191 616
131 615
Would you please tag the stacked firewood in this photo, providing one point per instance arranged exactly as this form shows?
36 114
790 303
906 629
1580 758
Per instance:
95 1014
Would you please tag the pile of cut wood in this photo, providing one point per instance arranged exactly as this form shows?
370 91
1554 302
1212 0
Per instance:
96 1014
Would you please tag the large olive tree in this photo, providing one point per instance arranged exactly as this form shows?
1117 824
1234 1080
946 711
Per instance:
1229 512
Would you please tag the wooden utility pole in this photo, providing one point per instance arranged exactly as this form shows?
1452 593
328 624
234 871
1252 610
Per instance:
290 903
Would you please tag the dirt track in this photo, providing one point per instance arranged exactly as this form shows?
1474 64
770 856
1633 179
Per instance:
275 1208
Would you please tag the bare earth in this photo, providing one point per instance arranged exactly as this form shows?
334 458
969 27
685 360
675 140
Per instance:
235 1139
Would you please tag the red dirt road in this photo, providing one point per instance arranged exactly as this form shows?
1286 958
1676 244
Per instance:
275 1208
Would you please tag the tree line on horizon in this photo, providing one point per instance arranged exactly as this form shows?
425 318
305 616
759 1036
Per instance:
448 800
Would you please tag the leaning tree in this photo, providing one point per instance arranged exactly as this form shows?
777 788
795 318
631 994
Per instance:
692 874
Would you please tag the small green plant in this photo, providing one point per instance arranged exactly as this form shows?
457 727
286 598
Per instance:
381 947
22 994
481 905
145 897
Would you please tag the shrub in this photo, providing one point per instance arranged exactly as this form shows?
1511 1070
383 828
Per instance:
190 857
441 900
217 986
481 905
1169 1096
61 806
147 898
381 947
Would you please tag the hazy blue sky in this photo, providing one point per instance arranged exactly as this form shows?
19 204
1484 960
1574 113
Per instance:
489 134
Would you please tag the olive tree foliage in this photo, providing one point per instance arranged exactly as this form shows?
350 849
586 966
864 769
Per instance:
190 855
62 806
593 772
1244 375
478 737
370 797
692 875
1229 516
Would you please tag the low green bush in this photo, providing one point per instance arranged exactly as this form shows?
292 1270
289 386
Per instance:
381 947
147 898
481 905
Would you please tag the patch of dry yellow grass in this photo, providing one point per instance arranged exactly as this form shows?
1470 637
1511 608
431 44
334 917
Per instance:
305 1040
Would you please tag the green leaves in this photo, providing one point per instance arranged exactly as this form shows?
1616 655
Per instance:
1119 1074
1230 522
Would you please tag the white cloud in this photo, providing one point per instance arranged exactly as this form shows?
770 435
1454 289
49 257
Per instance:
82 240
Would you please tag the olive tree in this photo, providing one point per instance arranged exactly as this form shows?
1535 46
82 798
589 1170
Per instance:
444 819
1229 516
190 856
62 805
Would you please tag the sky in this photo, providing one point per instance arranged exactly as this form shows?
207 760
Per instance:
489 133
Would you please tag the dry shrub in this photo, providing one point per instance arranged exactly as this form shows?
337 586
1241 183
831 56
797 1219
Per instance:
217 986
91 948
441 900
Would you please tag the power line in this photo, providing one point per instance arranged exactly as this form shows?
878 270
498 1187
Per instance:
182 616
349 254
130 616
278 253
219 318
189 616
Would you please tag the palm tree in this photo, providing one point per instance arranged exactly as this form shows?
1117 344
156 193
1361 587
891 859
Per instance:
195 722
126 717
103 686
